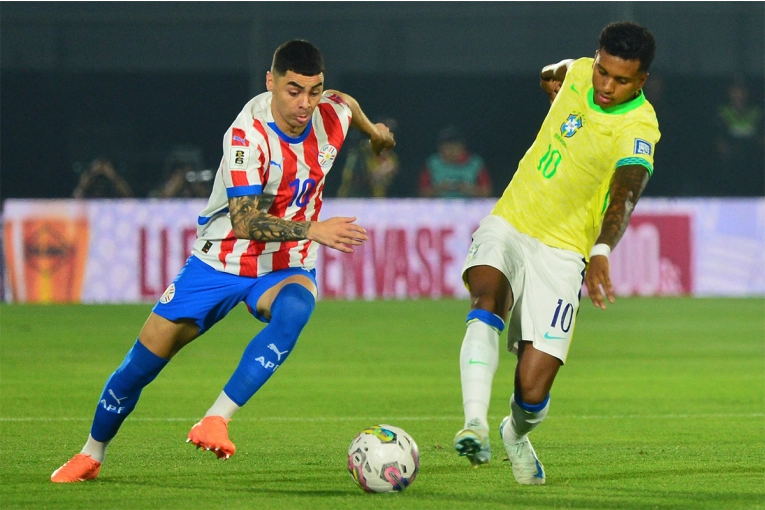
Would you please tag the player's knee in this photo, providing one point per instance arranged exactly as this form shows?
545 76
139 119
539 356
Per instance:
292 308
139 368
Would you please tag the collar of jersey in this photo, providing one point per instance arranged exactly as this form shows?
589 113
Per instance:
289 139
616 110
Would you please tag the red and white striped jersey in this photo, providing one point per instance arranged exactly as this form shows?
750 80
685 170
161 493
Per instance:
288 173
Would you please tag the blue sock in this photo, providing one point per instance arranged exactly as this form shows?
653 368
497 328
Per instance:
290 312
122 390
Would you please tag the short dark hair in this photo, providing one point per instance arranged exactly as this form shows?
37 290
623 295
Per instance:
629 41
298 56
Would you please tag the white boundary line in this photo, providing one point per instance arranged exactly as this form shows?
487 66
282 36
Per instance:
391 419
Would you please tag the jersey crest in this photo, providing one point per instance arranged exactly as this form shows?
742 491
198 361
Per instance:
574 122
327 155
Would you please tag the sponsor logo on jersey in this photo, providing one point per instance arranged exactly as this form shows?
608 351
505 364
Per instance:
240 156
327 155
238 138
168 295
337 99
573 123
643 147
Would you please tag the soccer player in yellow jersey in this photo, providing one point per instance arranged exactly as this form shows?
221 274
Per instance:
553 229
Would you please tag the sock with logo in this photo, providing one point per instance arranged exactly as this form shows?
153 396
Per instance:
526 417
479 357
122 390
290 312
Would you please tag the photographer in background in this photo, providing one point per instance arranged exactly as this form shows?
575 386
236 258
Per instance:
183 175
101 180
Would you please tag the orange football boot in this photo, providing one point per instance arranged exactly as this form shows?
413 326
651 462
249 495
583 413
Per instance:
212 434
80 468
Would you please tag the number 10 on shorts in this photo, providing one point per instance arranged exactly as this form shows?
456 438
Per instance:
566 318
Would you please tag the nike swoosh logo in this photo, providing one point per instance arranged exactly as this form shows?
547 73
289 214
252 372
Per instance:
550 337
473 362
574 89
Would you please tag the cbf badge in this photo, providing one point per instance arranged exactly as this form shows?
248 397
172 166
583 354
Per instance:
327 155
572 125
168 295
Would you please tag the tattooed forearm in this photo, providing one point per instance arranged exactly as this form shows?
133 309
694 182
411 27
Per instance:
626 187
249 222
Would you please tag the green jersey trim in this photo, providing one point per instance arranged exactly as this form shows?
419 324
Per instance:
619 109
636 161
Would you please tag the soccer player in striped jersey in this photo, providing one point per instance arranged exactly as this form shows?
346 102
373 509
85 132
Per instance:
256 242
565 209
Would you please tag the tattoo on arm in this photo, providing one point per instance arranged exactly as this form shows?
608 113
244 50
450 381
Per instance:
626 187
249 222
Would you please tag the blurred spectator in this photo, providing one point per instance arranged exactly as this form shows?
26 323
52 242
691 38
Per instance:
366 174
184 177
740 143
453 172
184 181
101 180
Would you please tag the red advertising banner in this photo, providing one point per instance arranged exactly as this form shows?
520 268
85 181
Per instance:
654 257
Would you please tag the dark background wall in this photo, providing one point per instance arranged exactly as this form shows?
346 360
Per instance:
129 81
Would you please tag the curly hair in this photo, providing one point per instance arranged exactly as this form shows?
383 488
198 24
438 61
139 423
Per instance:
298 56
629 41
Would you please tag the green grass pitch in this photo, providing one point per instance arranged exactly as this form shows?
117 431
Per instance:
661 405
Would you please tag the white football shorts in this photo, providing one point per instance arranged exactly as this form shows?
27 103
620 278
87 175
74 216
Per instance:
546 284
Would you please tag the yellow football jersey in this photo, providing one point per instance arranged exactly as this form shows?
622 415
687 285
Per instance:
560 191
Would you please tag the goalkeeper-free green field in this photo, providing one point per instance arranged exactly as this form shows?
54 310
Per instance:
661 405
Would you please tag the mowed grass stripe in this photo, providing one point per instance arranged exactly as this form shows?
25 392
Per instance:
318 419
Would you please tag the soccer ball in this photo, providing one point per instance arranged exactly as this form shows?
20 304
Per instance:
383 458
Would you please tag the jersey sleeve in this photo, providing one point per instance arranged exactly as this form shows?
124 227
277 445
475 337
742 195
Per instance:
244 161
341 109
636 144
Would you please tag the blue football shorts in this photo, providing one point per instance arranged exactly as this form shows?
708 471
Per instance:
205 295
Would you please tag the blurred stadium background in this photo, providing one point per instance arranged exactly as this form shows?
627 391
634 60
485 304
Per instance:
138 83
131 80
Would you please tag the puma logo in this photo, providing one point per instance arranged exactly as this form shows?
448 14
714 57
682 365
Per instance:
119 400
277 351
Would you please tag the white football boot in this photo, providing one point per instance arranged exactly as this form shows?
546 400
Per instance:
473 442
526 466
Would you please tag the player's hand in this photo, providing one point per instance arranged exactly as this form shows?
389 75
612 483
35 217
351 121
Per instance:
381 139
339 233
598 281
551 87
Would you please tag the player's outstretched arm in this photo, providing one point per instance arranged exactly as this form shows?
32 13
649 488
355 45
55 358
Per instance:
552 76
626 187
380 136
249 222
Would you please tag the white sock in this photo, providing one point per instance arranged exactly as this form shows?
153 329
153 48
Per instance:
523 421
479 357
224 406
96 449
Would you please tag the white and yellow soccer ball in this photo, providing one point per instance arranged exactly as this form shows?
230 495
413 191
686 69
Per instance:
383 458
